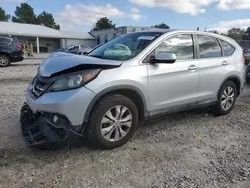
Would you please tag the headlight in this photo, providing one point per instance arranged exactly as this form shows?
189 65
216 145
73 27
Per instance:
73 81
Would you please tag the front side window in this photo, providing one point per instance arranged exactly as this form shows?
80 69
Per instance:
228 49
209 47
180 45
126 46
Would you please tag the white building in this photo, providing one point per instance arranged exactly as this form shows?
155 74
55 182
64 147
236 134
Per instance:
45 39
105 35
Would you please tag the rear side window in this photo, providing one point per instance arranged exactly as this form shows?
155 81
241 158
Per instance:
5 41
209 47
228 49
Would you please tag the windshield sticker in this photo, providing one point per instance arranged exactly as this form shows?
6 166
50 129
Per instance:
145 38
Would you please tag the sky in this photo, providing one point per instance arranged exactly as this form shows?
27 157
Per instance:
81 15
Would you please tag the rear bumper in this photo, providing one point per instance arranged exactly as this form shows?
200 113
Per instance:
17 58
40 132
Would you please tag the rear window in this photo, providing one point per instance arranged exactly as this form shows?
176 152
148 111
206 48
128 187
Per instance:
5 41
228 49
15 40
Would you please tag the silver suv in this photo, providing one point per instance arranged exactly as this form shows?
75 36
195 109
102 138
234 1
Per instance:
104 96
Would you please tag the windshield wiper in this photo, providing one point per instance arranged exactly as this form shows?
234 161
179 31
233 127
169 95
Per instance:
97 56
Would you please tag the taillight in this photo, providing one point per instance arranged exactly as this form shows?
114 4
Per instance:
19 46
244 59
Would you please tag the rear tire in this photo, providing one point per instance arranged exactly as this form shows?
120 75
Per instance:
113 122
226 99
4 60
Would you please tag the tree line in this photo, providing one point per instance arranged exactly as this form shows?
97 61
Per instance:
25 14
105 23
236 33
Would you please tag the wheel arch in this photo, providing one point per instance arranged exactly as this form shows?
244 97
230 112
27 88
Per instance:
236 80
129 91
4 53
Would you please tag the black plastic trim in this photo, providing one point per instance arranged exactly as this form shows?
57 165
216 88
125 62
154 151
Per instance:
39 132
231 77
196 47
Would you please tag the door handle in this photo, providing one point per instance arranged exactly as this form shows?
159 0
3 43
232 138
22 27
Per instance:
224 63
192 67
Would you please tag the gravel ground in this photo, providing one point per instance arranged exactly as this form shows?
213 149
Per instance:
19 71
187 149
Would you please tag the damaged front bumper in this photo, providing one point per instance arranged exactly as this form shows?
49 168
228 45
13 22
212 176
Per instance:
41 130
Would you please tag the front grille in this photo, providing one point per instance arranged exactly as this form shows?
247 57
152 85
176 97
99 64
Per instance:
40 86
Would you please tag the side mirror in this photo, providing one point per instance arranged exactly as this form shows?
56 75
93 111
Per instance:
164 57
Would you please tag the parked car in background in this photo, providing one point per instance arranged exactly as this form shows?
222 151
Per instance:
74 49
246 53
86 52
105 96
10 51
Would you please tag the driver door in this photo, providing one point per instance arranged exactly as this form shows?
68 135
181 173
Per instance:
173 86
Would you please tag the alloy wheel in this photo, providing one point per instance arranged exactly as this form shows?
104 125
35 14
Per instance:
116 123
4 60
227 98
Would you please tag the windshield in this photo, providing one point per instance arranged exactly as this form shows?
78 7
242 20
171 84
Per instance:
125 47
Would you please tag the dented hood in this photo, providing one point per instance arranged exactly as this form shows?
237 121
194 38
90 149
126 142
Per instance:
59 62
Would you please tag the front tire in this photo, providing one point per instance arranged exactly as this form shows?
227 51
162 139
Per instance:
113 122
4 60
226 99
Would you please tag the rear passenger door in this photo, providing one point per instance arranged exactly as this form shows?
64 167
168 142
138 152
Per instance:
212 66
